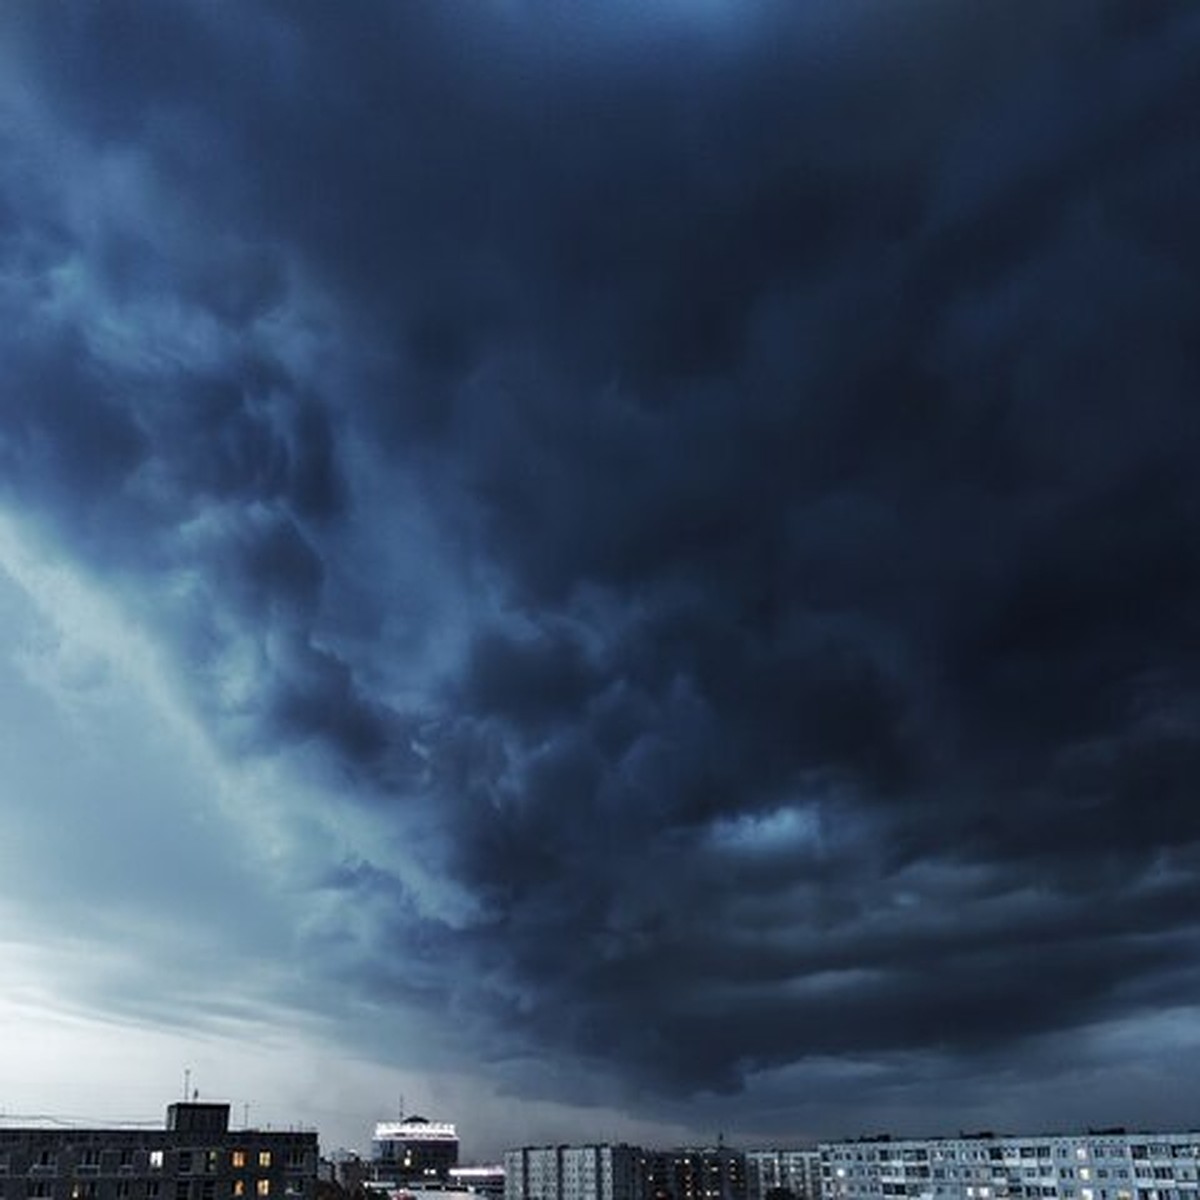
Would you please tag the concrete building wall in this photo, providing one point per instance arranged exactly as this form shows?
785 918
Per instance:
691 1173
797 1171
592 1172
200 1160
1100 1166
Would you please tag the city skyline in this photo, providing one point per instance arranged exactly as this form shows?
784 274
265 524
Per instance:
627 566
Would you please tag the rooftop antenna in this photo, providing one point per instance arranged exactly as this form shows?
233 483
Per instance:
401 1108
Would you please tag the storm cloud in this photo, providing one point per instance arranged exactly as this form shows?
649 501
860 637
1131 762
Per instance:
704 495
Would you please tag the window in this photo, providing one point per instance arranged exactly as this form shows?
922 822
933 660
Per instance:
295 1158
263 1187
182 1189
152 1189
40 1189
45 1158
264 1158
209 1190
210 1162
239 1187
156 1160
83 1190
185 1162
123 1189
237 1158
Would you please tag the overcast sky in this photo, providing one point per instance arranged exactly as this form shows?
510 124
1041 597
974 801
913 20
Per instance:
622 568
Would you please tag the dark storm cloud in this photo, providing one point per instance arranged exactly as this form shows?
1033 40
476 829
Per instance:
782 421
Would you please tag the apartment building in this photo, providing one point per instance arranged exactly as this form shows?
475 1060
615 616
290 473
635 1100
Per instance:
1104 1165
797 1172
696 1173
195 1157
592 1172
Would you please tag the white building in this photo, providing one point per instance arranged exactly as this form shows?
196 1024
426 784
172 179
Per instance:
1096 1166
414 1152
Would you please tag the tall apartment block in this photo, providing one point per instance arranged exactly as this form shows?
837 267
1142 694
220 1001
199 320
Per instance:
694 1173
595 1172
196 1157
795 1171
1105 1165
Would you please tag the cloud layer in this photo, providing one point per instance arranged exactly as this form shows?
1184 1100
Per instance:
704 497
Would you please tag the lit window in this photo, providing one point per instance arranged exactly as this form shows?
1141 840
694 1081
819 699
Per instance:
263 1187
156 1160
239 1187
264 1160
237 1158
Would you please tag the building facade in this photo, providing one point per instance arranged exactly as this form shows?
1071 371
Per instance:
795 1171
486 1181
593 1172
414 1152
196 1157
1106 1165
696 1173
